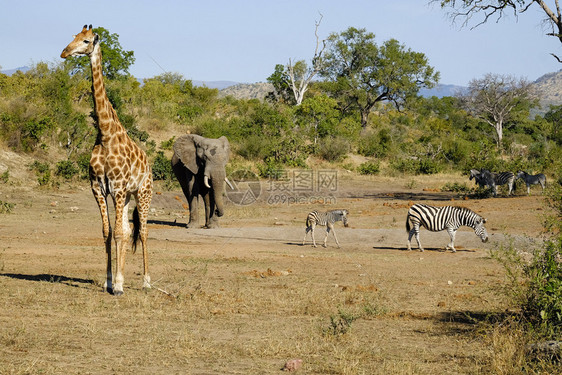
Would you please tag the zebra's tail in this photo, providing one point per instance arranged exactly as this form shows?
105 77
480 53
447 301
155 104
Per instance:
308 221
408 228
136 229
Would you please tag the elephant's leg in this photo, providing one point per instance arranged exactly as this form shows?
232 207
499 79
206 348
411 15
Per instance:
191 194
210 217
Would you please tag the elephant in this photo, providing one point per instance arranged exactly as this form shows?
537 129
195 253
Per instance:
199 165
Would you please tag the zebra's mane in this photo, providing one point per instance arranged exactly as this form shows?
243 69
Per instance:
338 212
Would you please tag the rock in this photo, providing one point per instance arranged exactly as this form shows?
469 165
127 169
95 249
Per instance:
293 364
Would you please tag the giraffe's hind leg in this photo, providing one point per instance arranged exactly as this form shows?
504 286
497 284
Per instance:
143 204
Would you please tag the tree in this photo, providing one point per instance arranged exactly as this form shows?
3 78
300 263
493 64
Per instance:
361 74
300 75
496 9
292 81
281 86
115 62
497 99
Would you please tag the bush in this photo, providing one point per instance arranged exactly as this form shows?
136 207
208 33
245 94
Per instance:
369 167
333 149
543 307
162 167
66 169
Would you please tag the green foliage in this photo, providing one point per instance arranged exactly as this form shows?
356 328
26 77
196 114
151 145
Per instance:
376 144
66 169
333 149
43 172
543 307
361 73
455 187
369 168
162 167
4 177
340 324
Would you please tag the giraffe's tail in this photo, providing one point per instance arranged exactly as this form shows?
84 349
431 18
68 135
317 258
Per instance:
136 229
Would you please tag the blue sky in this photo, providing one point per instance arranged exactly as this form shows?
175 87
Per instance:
243 40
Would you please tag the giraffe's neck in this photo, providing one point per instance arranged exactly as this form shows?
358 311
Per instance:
106 116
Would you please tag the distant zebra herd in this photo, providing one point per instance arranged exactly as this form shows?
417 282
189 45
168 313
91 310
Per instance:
435 219
484 177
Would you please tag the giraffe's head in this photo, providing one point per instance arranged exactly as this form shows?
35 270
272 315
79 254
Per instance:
83 43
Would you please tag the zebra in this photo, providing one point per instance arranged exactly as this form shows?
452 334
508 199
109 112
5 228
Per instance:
437 219
327 219
484 178
532 180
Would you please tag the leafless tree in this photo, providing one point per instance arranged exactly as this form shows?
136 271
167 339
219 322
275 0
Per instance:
466 10
494 99
300 75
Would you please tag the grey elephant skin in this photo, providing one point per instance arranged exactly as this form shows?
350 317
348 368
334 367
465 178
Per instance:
199 165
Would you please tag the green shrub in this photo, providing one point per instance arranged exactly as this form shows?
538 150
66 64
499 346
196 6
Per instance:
162 167
333 149
340 324
369 167
543 307
66 169
456 187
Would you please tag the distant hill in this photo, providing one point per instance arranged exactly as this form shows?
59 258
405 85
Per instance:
549 89
260 90
214 84
9 72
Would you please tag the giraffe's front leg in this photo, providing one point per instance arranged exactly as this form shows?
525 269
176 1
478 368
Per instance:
122 239
101 199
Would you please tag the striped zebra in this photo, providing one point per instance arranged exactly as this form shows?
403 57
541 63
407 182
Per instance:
484 178
532 180
327 219
437 219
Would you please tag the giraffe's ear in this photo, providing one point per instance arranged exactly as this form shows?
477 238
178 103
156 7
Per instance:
96 38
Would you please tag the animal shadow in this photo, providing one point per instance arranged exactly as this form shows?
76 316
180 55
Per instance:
50 278
435 249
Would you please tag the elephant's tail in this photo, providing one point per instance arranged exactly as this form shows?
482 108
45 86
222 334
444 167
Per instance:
136 229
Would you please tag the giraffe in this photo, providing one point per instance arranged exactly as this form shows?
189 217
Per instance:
118 167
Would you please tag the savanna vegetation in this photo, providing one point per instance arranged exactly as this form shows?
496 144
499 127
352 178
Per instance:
364 102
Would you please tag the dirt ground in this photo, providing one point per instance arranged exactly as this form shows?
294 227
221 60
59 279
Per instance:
246 297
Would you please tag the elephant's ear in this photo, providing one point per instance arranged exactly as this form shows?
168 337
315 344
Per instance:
184 149
225 146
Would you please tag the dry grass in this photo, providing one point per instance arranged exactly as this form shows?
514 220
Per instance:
245 298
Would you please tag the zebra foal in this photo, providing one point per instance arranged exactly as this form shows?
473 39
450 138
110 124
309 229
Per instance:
327 219
437 219
530 179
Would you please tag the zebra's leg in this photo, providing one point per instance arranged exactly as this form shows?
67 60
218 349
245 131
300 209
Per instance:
416 230
410 235
528 189
452 232
336 237
312 234
328 227
308 229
